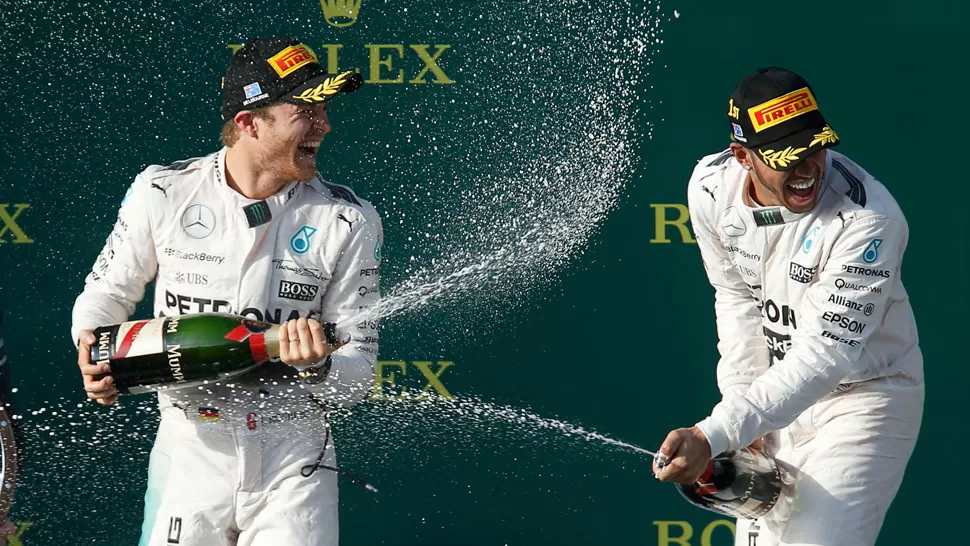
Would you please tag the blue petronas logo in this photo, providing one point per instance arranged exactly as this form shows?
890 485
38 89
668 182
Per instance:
300 241
871 253
377 251
808 240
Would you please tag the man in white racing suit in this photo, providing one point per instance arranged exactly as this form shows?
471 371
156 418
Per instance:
251 230
818 344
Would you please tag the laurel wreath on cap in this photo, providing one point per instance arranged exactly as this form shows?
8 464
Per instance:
781 158
329 87
825 137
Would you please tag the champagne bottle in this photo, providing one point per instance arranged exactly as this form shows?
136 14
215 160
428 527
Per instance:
746 483
185 350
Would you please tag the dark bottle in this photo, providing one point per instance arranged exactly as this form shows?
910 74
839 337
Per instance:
745 483
186 350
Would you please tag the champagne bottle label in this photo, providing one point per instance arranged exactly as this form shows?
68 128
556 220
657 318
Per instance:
143 337
125 342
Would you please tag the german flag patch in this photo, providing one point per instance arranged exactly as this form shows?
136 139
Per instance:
208 414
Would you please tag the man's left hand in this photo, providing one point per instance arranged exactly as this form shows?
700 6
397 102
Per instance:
687 453
303 343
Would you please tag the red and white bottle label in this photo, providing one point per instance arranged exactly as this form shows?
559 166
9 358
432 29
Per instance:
143 337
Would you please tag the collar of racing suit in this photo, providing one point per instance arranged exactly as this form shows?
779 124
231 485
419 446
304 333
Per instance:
282 196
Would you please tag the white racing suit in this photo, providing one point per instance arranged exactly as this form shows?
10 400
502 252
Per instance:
229 461
818 346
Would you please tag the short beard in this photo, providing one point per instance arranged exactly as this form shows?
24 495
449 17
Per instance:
278 159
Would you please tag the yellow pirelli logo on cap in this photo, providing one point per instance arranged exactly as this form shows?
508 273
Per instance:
771 113
291 59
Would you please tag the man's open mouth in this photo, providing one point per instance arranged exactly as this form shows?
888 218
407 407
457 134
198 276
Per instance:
803 192
309 148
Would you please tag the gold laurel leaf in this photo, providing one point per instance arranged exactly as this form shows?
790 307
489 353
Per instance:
828 135
330 86
781 157
333 84
310 95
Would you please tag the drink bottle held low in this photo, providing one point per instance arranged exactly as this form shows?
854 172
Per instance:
746 483
180 351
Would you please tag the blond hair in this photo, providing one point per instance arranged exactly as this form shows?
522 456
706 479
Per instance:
230 131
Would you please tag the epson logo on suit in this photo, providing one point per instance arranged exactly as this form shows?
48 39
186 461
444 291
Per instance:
298 291
848 323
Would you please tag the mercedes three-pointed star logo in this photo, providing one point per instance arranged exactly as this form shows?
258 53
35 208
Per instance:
198 221
732 224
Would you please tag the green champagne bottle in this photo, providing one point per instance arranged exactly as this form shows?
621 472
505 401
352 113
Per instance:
186 350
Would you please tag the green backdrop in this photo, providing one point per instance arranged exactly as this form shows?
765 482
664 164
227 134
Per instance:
618 338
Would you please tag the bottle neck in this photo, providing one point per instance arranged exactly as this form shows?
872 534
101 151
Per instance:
271 338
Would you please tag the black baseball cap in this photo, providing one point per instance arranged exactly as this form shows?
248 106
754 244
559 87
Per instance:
774 112
276 68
